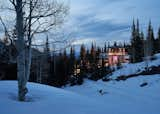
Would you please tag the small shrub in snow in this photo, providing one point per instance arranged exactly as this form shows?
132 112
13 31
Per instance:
144 84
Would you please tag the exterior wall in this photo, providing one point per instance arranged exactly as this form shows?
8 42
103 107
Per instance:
115 56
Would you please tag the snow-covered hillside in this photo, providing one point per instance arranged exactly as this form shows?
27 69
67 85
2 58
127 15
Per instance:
129 69
43 99
123 97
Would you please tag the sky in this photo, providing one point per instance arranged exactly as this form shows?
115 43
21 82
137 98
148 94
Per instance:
110 20
100 21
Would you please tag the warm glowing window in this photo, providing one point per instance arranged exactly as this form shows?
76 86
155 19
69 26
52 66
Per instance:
115 59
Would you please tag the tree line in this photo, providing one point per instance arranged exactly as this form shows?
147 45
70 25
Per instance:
63 67
70 67
143 47
59 69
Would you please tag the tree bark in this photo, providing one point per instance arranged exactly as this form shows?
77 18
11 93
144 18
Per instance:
20 45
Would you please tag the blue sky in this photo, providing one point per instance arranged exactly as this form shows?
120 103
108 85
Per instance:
110 20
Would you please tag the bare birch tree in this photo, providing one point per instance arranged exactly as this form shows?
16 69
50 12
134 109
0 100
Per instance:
33 17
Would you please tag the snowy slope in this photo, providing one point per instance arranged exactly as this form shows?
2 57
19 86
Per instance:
129 69
45 100
124 97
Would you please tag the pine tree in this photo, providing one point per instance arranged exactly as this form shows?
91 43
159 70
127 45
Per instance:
88 55
65 67
93 55
137 43
61 75
105 48
98 52
133 42
82 53
46 63
83 68
72 61
141 51
58 78
158 41
115 44
47 50
150 41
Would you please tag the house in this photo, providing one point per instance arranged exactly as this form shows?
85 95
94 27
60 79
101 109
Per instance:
115 55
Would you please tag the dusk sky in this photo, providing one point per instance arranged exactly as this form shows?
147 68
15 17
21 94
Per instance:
110 20
107 20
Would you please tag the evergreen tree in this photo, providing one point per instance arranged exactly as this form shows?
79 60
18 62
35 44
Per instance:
124 45
88 60
82 53
93 55
137 29
158 41
47 50
46 63
83 68
133 42
72 61
61 74
150 41
65 67
98 52
105 48
115 44
137 43
108 44
142 41
87 55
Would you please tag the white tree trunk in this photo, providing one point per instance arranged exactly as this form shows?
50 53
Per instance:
21 76
20 45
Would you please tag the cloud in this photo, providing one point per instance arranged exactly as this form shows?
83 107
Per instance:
110 20
101 28
91 27
83 41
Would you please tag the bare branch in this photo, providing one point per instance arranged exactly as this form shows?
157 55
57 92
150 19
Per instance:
6 31
13 3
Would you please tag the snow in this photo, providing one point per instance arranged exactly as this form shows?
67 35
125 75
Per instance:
123 97
44 100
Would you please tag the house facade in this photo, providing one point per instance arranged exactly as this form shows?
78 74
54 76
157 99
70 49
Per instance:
114 56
